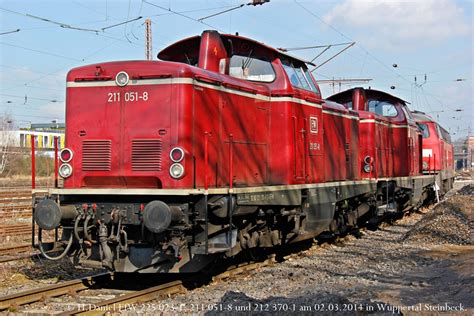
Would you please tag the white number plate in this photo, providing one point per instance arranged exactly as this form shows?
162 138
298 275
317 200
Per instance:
127 96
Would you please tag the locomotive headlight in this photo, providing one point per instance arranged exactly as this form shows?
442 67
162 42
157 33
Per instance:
367 168
176 170
121 79
425 165
65 155
176 154
65 170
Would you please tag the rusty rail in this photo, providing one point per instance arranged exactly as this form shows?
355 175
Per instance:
13 301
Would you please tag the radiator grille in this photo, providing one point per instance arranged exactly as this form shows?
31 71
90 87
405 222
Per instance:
96 155
146 155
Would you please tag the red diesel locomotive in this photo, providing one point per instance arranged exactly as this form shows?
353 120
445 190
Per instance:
223 145
437 149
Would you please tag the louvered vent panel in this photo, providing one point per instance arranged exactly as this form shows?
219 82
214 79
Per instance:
146 155
96 155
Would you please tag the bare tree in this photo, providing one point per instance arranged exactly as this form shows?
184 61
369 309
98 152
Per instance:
7 139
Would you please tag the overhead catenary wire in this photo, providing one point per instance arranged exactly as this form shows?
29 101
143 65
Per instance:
33 98
284 49
222 12
334 56
182 15
63 25
10 32
121 23
347 37
41 51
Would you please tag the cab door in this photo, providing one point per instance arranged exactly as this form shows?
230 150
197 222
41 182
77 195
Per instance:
299 144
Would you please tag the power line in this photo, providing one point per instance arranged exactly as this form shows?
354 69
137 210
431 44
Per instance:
27 97
9 32
283 49
28 70
63 25
182 15
222 12
194 10
331 58
41 52
347 37
67 67
254 3
121 23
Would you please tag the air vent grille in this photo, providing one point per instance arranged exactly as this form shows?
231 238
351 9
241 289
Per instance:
146 154
96 155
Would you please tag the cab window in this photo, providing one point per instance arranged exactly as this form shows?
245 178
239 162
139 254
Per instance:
383 108
424 130
299 76
251 68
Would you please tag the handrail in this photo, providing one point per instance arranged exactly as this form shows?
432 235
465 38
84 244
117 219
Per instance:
239 88
33 163
212 81
56 163
231 161
206 160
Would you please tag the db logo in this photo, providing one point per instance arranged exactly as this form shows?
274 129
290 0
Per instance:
313 125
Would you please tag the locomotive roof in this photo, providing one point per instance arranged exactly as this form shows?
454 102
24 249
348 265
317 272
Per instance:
422 116
163 53
373 92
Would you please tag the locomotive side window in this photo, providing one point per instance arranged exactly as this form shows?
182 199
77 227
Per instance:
382 108
251 68
443 134
424 130
299 76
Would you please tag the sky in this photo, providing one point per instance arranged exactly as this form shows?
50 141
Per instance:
396 42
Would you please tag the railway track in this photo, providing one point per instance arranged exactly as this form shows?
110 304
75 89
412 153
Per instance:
18 252
15 230
17 249
14 301
73 289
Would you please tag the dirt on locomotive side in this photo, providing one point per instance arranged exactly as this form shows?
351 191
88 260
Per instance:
422 264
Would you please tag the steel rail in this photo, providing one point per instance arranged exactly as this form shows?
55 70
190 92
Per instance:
159 291
137 297
35 295
19 248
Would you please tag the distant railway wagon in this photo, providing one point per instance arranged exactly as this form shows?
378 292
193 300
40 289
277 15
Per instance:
438 154
224 145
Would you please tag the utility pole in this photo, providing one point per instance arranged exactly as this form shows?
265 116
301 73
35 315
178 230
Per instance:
149 50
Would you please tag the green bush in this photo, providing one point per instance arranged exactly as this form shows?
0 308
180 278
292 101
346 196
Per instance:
19 164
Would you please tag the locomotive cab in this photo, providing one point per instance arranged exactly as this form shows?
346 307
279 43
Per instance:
437 149
389 137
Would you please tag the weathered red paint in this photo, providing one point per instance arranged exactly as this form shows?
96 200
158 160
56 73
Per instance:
263 133
437 146
392 141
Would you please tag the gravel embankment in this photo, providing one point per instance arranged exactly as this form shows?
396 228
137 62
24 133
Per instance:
421 263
